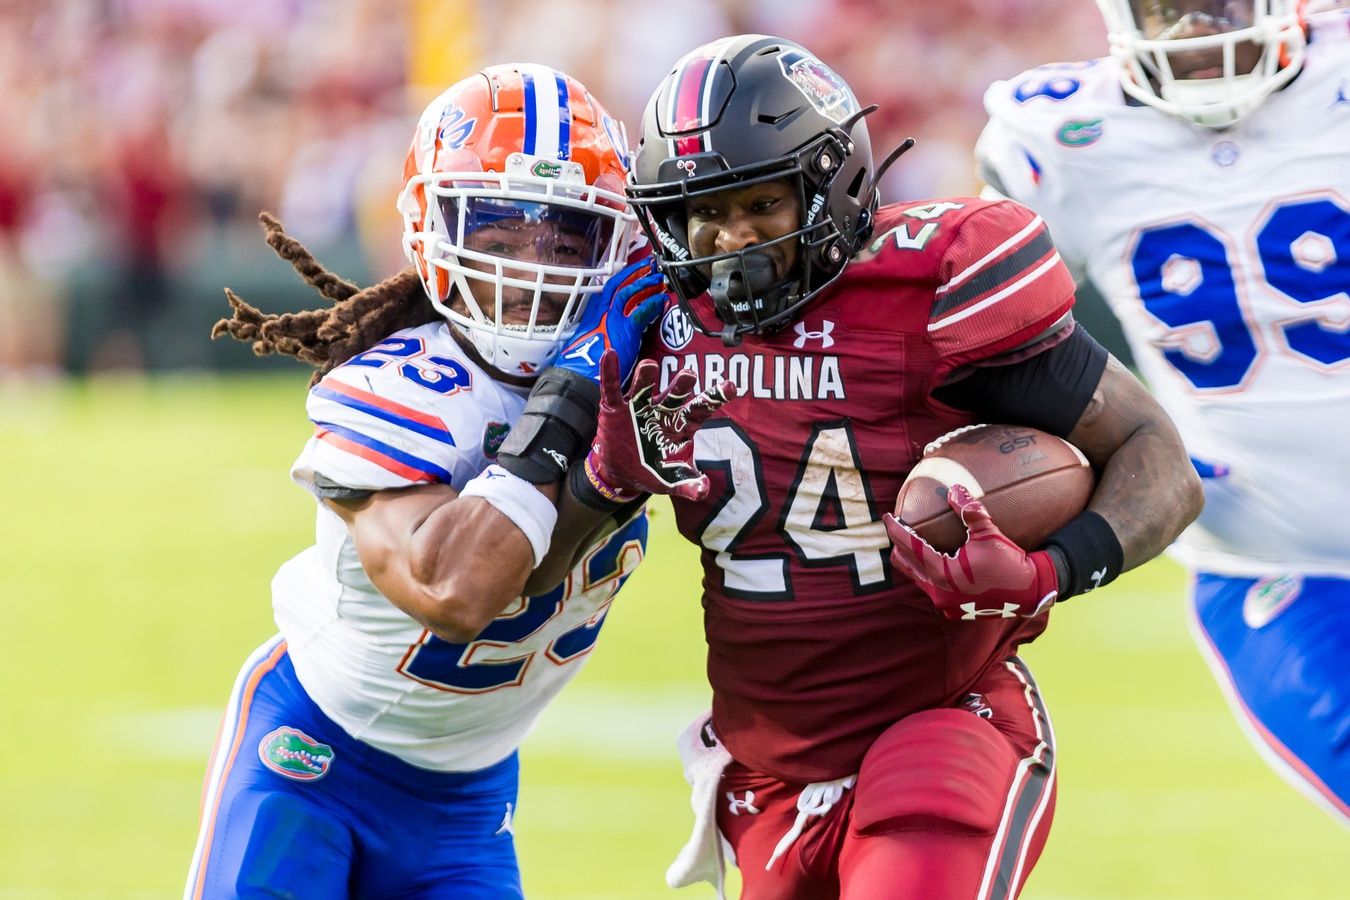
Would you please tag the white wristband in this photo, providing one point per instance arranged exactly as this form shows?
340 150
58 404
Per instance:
521 502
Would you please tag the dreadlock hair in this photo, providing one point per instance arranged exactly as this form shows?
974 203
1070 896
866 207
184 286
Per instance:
328 336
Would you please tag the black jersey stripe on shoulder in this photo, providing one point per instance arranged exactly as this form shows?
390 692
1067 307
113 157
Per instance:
994 274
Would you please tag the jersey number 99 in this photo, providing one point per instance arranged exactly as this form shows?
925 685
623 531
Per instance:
1186 273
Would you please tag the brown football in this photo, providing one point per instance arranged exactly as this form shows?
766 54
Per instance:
1031 482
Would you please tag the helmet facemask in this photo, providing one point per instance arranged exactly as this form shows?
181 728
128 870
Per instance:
536 237
1209 61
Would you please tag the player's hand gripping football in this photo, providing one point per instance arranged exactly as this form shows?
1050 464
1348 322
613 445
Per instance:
988 575
630 300
644 442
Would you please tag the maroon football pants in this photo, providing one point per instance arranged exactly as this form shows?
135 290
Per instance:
949 803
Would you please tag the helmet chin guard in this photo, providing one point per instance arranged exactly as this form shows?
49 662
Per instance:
1151 43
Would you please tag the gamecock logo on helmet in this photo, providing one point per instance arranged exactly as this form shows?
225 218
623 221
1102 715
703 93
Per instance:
826 91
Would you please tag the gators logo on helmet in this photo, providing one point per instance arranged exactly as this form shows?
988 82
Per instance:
294 754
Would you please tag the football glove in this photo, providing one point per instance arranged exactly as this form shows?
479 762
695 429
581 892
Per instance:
988 575
615 320
644 441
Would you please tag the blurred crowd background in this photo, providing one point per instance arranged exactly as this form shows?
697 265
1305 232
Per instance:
140 138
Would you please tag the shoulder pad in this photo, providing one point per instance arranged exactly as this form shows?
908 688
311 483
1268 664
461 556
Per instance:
1053 91
912 237
1044 111
393 416
1000 282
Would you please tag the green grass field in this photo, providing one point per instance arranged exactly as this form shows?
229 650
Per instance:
145 519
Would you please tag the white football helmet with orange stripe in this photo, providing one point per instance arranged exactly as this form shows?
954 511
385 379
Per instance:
513 209
1210 61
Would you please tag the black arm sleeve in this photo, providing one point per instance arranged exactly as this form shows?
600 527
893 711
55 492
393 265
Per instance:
555 428
1048 391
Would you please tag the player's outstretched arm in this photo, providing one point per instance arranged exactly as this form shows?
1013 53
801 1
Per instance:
452 563
560 417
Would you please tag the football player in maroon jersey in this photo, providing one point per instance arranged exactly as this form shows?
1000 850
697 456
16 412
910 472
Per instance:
873 733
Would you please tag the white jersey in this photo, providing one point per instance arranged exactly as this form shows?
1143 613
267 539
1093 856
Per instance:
1226 257
415 410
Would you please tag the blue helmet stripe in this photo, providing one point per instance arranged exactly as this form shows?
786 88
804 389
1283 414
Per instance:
564 119
531 124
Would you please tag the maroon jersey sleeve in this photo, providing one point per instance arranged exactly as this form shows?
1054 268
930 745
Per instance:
1001 284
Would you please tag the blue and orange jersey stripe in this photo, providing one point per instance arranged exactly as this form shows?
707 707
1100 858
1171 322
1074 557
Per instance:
1035 168
391 459
385 409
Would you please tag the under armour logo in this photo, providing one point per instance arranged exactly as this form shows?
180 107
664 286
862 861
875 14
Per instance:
1009 611
506 827
977 704
748 804
823 335
557 457
1097 577
494 473
583 351
687 166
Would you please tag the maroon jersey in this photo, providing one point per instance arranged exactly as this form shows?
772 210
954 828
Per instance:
815 643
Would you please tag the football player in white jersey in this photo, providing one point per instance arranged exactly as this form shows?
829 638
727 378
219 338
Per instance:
455 584
1200 177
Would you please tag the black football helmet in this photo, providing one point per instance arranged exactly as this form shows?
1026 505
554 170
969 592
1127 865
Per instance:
739 111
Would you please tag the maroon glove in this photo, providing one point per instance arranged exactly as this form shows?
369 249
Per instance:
644 439
988 575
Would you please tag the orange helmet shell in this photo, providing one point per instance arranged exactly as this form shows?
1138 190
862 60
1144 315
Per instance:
495 113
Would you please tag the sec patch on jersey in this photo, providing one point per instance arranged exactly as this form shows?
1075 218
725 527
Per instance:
1031 482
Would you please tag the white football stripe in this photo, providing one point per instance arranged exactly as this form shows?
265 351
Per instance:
948 472
545 109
